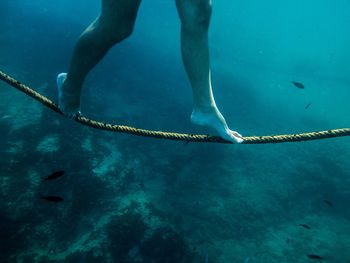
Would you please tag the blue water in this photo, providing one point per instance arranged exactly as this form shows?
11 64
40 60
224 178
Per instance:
131 199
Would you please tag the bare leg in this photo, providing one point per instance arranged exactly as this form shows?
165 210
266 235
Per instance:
114 24
195 18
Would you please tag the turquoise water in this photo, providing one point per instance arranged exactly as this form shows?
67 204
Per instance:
129 199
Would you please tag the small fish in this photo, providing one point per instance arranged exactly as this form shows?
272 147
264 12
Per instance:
305 226
329 203
52 198
298 84
53 176
314 256
308 105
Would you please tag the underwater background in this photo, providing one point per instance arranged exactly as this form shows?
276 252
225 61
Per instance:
132 199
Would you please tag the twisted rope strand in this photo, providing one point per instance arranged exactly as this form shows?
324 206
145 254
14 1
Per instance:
317 135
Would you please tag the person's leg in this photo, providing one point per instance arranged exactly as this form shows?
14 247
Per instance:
114 24
195 18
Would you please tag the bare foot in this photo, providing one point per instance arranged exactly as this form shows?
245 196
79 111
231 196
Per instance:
69 104
211 117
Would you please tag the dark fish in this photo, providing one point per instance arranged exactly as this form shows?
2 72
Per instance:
305 226
53 176
314 256
52 198
328 203
308 105
298 84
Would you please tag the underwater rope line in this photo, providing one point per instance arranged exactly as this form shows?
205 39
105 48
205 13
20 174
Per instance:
172 135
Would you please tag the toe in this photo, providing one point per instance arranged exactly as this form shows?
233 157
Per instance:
238 138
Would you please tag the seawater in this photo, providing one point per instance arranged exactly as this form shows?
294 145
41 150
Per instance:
132 199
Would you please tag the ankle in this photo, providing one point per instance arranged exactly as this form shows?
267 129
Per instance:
205 108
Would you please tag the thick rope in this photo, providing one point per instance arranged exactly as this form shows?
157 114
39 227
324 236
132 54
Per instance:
171 135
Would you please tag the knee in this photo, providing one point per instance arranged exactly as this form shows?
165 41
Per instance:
195 15
113 27
117 19
122 32
117 32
